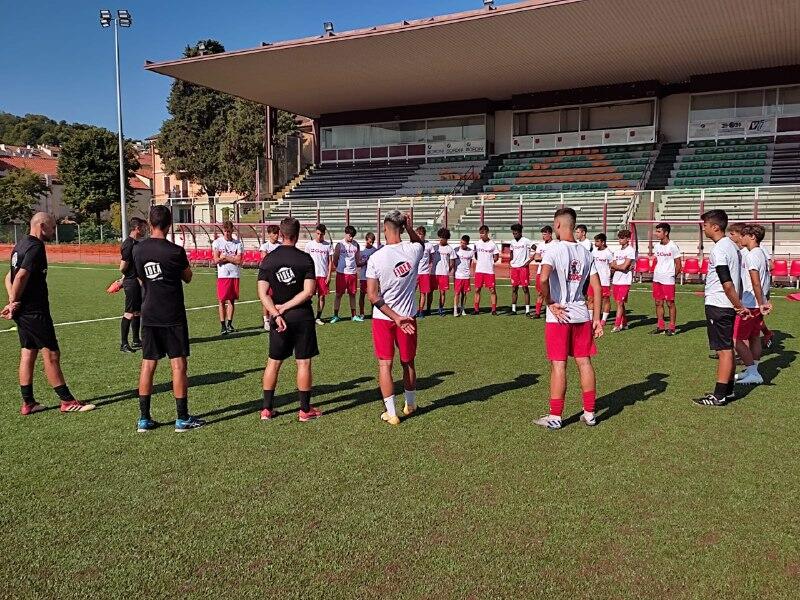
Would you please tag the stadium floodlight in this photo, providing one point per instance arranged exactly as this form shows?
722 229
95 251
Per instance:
489 4
328 27
124 18
105 18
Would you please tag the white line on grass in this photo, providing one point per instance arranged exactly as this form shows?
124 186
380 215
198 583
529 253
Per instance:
110 269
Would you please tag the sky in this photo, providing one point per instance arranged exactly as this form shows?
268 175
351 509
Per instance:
59 62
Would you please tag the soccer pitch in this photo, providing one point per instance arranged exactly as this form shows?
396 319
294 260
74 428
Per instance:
466 499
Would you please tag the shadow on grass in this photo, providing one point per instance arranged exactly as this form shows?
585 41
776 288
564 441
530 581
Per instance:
481 394
612 404
239 333
769 370
690 325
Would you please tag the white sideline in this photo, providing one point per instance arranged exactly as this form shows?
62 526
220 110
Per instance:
112 269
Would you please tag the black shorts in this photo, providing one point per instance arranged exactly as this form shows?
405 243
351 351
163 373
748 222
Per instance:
719 324
133 297
158 342
36 331
300 339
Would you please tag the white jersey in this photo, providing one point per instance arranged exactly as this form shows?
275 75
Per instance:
395 268
664 271
587 243
427 258
365 254
602 263
620 256
541 249
321 255
756 260
347 257
724 253
228 248
485 253
572 266
463 262
269 247
444 254
520 252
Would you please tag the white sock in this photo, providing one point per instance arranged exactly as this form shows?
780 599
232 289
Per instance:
513 308
411 397
527 308
266 319
605 316
591 314
455 309
389 404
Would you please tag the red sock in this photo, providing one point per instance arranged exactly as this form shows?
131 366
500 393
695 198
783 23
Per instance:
617 321
589 399
494 306
352 312
671 326
477 307
556 406
538 307
661 323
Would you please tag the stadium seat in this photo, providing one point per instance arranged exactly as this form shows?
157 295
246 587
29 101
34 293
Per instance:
691 266
794 273
780 269
643 267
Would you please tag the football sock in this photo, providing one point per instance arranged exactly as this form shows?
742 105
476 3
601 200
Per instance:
267 396
494 306
125 327
411 397
336 313
352 312
229 323
266 318
144 406
720 390
556 407
63 393
513 308
538 307
135 326
729 387
182 407
27 393
476 306
605 317
222 324
389 404
527 309
661 324
589 400
305 400
319 314
672 326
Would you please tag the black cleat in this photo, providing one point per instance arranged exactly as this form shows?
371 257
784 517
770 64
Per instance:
475 312
224 331
709 400
670 332
658 332
126 348
494 313
137 345
230 329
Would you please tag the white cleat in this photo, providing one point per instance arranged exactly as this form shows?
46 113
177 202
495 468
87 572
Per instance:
750 379
549 422
589 419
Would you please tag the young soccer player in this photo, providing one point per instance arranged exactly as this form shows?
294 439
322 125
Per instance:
486 254
227 253
444 264
541 252
463 260
580 237
346 257
29 306
368 250
131 287
667 269
567 270
425 278
521 256
723 294
602 257
291 277
391 284
622 277
163 268
320 250
273 231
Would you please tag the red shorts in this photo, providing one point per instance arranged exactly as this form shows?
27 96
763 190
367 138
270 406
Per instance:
744 329
443 282
663 291
605 291
227 288
322 286
362 285
562 340
386 335
621 292
483 280
462 285
425 284
346 283
520 276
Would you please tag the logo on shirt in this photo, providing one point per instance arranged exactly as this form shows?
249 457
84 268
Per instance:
14 259
285 275
575 270
402 269
152 270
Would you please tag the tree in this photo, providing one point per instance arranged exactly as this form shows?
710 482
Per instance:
20 190
89 169
35 129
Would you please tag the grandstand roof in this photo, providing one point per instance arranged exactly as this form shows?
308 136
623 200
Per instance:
529 46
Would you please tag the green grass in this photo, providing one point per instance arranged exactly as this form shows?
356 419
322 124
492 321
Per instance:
467 499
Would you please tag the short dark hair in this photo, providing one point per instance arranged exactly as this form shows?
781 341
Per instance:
273 229
465 238
571 215
582 228
350 230
321 228
602 237
136 222
665 227
516 227
290 228
396 219
369 235
483 228
737 227
443 233
757 231
422 230
716 217
546 229
227 226
160 217
624 233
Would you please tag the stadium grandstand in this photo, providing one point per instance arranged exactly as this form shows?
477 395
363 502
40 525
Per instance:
628 111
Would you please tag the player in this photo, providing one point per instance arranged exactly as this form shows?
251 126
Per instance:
320 251
486 254
602 257
723 294
163 268
228 254
464 256
567 269
580 237
273 231
369 249
667 269
391 284
541 252
444 264
346 257
622 277
291 277
29 306
425 277
130 285
521 257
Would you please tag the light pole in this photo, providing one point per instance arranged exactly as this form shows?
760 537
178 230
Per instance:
123 19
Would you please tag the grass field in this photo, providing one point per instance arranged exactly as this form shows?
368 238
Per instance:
467 499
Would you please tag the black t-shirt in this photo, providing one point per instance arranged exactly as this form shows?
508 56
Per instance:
126 253
29 254
159 264
286 270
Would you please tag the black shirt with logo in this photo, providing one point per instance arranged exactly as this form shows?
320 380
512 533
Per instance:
286 270
29 254
160 264
126 252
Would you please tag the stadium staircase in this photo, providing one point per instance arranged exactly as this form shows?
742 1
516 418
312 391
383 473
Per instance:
785 164
354 181
662 169
723 163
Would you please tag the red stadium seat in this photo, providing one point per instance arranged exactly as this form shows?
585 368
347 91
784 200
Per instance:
780 269
691 266
704 267
794 272
643 266
192 255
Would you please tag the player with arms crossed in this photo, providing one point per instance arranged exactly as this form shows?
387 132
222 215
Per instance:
668 267
227 253
369 249
521 257
602 257
163 268
320 250
443 265
486 254
567 269
273 231
29 306
463 260
622 277
391 284
291 276
425 277
346 257
131 287
541 252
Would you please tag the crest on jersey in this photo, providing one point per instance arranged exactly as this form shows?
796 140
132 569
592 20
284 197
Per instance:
285 275
402 269
152 270
14 258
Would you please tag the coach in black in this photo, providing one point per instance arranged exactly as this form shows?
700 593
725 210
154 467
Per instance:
162 267
29 306
289 274
131 287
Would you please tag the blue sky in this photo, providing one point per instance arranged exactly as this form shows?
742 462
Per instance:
59 61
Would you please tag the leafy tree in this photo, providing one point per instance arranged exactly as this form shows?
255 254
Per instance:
89 169
20 190
35 129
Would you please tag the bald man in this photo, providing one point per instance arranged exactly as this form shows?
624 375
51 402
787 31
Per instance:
29 306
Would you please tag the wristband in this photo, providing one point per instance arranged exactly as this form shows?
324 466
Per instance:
380 303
